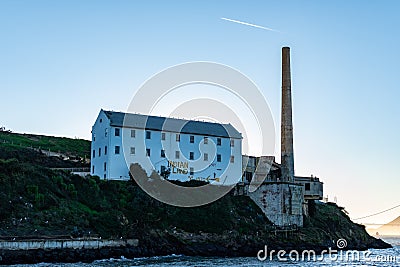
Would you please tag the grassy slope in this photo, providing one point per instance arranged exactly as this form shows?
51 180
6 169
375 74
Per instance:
73 147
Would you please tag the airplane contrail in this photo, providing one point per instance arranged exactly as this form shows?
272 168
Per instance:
249 24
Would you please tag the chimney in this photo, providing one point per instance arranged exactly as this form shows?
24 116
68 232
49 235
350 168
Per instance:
287 155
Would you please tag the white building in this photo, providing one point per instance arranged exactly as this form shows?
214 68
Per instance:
186 149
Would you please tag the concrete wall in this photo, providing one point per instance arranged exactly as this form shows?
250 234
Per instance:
282 203
313 187
83 174
59 244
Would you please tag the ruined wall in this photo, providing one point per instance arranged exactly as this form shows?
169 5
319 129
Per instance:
282 203
62 244
313 188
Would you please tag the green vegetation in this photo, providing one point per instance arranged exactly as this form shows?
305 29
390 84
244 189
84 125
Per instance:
67 146
24 148
330 222
39 201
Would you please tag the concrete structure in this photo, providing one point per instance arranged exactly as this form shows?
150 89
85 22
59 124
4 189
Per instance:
82 171
258 166
281 202
313 187
176 149
258 169
65 243
281 196
287 156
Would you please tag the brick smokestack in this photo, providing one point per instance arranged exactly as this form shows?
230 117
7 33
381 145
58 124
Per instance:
287 155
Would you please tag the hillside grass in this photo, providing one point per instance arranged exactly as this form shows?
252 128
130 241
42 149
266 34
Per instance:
67 146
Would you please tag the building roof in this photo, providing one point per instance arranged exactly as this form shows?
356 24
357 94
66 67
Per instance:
120 119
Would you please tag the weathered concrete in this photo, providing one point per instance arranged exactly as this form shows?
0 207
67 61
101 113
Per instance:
287 156
281 202
313 187
259 169
279 197
262 168
61 244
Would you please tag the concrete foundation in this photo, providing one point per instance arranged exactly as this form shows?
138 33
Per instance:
61 244
282 203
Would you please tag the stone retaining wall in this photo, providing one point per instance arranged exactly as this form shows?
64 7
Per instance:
62 244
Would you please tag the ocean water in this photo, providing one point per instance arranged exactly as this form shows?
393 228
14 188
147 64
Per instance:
374 257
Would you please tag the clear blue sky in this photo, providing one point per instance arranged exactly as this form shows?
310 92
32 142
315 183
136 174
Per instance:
61 61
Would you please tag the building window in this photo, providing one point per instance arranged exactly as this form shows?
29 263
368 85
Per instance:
117 131
116 150
232 159
105 150
218 157
99 151
192 139
205 140
101 120
148 152
218 141
162 153
191 155
205 157
178 137
148 135
232 143
133 133
105 176
307 186
105 166
177 154
94 137
105 132
93 169
162 136
191 171
94 153
133 151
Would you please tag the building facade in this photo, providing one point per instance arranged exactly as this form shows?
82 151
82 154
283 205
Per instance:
176 149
